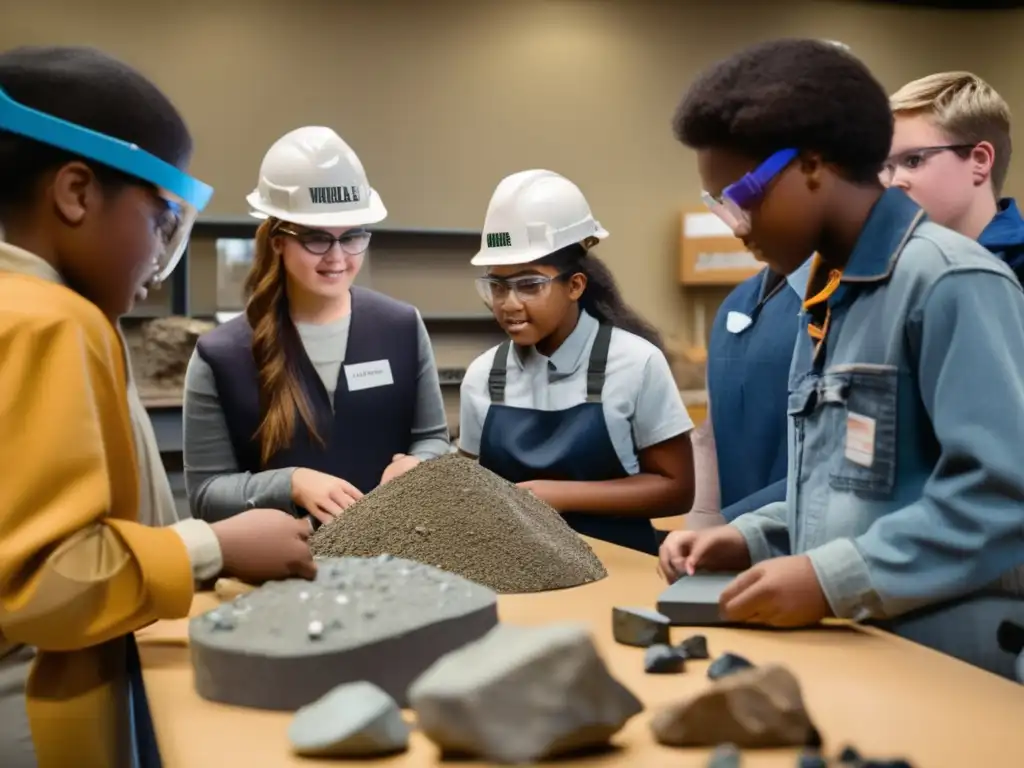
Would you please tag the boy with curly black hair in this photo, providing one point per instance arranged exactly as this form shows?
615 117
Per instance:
905 497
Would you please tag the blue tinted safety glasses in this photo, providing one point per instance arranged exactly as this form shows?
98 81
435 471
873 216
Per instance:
185 195
738 199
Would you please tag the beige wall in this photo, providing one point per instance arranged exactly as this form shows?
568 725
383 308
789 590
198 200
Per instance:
441 99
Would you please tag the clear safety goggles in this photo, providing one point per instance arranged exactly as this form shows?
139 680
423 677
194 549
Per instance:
733 206
527 288
184 195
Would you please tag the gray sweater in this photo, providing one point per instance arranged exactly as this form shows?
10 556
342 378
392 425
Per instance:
218 489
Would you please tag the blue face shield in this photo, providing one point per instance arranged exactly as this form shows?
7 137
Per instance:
185 195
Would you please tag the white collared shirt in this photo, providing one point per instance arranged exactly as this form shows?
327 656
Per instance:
642 405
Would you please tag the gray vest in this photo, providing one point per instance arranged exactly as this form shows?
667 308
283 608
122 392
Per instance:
366 427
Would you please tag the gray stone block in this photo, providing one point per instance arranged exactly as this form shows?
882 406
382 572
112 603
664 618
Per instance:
383 620
639 626
353 720
725 756
522 694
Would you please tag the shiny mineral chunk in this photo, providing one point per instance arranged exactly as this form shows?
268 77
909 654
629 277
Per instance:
725 756
639 627
694 647
662 660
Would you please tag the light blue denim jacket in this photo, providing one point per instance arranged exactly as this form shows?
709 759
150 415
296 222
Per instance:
925 354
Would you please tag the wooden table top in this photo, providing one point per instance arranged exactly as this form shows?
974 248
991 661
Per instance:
886 696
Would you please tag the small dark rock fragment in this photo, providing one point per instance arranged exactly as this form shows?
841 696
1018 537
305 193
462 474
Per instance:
811 759
639 626
727 664
885 764
694 647
725 756
849 756
662 660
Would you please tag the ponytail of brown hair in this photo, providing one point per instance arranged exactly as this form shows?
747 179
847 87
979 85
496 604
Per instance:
276 349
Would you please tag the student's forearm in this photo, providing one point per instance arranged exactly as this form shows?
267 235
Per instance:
643 495
214 497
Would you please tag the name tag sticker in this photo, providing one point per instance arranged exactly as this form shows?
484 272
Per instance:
368 375
860 439
737 322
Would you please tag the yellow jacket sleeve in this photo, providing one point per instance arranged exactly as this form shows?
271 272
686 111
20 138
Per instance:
76 569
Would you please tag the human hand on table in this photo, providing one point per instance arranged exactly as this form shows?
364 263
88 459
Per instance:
400 464
781 592
721 548
323 496
263 544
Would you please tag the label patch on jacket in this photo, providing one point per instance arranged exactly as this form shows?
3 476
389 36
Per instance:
376 373
860 439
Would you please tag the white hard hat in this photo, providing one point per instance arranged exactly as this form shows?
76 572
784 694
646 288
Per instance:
311 177
531 215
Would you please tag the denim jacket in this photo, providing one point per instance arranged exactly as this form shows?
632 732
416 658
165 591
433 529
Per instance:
905 484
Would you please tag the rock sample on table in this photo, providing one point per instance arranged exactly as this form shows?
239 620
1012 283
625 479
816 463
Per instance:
755 708
522 694
662 659
727 664
724 756
811 758
454 514
167 346
639 626
382 620
850 757
694 647
353 720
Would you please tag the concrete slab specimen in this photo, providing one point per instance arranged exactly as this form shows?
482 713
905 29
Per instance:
639 626
383 620
522 694
693 600
694 647
757 708
353 720
727 664
662 659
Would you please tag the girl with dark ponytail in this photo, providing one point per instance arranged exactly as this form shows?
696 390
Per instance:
579 405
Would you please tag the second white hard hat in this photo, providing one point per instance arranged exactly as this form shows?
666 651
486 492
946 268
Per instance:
311 177
531 215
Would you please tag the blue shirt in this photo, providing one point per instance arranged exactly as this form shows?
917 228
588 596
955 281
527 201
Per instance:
749 355
1004 236
905 484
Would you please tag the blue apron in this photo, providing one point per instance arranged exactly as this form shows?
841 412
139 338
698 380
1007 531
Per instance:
147 751
522 444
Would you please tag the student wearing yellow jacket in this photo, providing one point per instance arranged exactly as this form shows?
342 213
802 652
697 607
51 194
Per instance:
94 206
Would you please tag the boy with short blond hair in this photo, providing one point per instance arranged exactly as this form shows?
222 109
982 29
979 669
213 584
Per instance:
951 153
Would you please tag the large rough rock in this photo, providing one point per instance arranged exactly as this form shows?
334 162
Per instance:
167 345
755 708
353 720
383 620
521 694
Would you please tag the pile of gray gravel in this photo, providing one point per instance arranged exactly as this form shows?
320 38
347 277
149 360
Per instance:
453 514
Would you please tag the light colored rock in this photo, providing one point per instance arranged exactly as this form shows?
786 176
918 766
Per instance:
522 694
167 345
353 720
756 708
639 626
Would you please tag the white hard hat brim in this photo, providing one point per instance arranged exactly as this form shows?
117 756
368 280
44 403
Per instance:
372 214
494 257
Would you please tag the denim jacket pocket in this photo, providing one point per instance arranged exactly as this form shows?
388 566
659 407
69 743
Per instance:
865 459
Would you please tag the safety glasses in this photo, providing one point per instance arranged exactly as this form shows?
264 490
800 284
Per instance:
527 288
320 243
184 195
912 159
733 206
